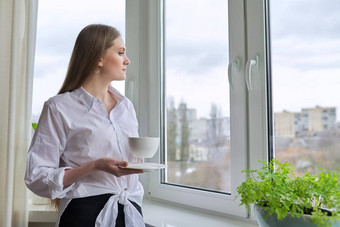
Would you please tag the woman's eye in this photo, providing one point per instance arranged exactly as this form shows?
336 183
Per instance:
121 53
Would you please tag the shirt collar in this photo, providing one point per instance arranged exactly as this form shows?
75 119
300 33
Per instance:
119 97
88 99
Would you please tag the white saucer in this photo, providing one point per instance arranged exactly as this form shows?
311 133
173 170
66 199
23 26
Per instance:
147 167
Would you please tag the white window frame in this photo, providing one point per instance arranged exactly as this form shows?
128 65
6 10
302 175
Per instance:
258 112
249 140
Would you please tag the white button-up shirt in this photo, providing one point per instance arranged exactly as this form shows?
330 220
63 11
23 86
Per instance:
74 128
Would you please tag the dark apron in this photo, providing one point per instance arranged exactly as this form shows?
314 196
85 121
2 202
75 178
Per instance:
83 212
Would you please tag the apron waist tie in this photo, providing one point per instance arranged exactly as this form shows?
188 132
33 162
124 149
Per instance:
108 215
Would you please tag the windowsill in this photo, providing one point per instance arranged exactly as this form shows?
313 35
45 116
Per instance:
42 213
156 214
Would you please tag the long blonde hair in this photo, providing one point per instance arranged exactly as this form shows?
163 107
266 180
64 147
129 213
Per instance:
90 46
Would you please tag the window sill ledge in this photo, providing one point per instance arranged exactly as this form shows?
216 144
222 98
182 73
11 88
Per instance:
42 213
155 213
158 213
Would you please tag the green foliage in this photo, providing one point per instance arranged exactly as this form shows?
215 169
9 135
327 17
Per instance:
34 125
276 187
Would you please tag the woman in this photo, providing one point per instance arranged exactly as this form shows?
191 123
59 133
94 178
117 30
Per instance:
80 145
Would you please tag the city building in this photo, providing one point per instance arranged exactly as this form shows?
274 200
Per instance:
319 119
307 122
285 124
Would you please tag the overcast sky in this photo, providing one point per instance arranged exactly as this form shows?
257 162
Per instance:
59 23
197 54
305 50
305 54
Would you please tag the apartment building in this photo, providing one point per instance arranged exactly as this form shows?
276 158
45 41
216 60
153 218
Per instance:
307 122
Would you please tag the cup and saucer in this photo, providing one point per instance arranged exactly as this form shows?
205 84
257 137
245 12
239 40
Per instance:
144 147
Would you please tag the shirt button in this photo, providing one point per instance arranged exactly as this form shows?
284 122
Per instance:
125 189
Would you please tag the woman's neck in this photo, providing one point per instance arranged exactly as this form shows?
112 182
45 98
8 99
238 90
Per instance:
97 88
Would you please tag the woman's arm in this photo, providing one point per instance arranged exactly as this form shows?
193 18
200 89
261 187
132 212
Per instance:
108 165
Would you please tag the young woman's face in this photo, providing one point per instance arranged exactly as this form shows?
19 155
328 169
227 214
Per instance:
113 63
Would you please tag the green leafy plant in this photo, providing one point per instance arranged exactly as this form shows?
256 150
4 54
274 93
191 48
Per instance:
279 191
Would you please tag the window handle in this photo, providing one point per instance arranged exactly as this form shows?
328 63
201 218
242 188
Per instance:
233 67
250 66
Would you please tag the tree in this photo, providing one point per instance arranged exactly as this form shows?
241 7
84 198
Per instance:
171 131
215 127
182 110
184 145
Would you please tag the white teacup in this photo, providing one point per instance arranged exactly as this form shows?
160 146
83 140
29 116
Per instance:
144 147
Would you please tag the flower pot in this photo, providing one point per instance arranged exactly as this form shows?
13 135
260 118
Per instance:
265 220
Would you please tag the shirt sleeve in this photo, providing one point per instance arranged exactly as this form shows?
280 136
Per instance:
43 175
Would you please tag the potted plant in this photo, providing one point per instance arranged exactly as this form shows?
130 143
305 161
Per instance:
282 199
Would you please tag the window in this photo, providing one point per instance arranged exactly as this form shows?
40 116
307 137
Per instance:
172 50
282 84
59 23
196 95
305 71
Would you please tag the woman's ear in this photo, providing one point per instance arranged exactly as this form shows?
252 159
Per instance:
100 63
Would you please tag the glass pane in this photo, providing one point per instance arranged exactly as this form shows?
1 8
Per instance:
197 94
306 69
58 25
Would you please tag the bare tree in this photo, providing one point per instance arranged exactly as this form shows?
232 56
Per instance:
184 145
171 131
215 133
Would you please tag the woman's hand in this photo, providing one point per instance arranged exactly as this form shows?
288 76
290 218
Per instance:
108 165
113 166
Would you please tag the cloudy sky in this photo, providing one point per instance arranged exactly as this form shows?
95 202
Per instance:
305 54
197 54
59 23
305 50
